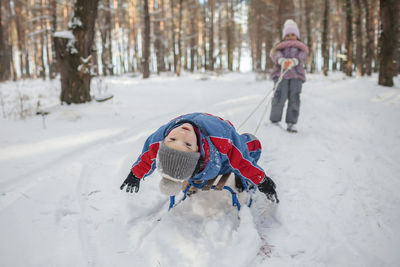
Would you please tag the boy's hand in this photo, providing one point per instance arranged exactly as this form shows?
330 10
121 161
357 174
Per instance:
132 182
267 186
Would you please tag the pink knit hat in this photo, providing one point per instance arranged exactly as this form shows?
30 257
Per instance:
290 27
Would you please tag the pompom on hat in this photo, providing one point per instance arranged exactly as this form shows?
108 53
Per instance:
290 27
175 166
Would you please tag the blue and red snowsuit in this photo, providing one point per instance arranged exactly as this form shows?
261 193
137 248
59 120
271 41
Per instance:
222 149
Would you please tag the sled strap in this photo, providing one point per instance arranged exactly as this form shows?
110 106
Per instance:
207 185
172 202
235 201
189 186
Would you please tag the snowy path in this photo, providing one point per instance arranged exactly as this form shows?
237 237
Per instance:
338 180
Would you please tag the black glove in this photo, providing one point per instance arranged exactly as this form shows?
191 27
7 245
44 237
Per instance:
132 182
267 186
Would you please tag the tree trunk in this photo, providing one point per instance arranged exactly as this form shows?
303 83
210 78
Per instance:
388 41
310 62
193 36
230 33
239 48
50 52
30 41
359 39
173 35
157 36
109 40
5 47
205 31
42 26
53 66
74 54
20 27
337 44
37 52
258 36
118 49
146 43
220 39
132 50
135 60
211 37
106 38
397 42
349 38
268 46
163 36
369 7
179 63
325 45
41 57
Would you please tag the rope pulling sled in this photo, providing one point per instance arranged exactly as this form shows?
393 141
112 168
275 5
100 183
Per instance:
266 99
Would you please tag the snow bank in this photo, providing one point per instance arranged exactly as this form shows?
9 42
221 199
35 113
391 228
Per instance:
337 179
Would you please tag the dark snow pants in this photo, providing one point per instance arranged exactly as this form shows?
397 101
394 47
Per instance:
288 89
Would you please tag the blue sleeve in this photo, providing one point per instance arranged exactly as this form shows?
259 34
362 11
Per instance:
145 164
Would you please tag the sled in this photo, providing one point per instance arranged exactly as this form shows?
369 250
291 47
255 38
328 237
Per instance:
191 187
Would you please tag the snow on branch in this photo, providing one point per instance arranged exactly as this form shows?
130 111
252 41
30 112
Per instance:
75 23
65 35
71 40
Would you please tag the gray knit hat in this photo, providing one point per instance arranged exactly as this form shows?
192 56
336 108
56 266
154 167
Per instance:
175 166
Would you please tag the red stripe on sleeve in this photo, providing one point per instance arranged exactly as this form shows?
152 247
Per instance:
145 164
206 149
237 161
253 145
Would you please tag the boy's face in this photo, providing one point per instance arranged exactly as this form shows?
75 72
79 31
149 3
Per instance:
182 138
290 36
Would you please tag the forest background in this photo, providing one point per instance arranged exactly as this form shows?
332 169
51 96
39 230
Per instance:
82 39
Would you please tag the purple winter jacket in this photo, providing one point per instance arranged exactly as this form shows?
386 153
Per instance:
290 49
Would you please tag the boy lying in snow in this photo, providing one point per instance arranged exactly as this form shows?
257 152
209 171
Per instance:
199 147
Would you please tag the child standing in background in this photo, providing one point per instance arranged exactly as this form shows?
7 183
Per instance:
289 55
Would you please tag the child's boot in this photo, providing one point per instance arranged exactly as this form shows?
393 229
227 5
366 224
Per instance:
291 127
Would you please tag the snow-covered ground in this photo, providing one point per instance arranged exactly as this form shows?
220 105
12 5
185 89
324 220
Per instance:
338 179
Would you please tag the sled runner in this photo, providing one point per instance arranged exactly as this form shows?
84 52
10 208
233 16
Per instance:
191 187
